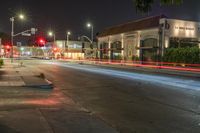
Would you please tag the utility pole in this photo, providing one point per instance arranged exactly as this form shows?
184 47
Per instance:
12 35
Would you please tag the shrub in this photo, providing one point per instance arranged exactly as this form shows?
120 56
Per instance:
188 55
135 58
117 57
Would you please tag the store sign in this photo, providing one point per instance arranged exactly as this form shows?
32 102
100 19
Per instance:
182 29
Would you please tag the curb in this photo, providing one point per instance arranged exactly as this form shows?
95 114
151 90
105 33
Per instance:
41 86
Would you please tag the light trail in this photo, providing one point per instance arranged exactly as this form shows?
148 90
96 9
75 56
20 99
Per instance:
156 79
144 64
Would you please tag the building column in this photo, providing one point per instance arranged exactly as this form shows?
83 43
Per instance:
98 50
167 42
138 44
122 46
199 43
109 47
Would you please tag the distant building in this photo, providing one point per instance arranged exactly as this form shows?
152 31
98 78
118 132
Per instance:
74 49
147 38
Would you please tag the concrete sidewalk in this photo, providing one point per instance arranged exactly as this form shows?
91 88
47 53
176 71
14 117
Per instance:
16 74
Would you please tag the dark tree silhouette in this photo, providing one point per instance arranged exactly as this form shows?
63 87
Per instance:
145 6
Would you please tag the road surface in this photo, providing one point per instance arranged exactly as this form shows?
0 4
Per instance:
128 101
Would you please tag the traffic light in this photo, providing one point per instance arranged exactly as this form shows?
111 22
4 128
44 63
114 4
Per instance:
41 41
7 47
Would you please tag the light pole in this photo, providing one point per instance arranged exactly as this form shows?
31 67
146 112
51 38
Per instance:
12 19
68 34
51 34
89 25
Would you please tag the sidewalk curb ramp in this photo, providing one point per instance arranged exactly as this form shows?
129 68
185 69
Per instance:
37 82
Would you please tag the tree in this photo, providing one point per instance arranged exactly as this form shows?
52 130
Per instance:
145 6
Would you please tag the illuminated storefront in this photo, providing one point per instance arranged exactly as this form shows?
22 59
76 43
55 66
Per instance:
147 38
74 49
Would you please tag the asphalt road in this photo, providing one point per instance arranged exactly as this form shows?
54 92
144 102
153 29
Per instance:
130 102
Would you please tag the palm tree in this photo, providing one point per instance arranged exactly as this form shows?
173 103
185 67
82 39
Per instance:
144 6
171 2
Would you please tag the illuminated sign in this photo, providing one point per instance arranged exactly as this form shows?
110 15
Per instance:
182 29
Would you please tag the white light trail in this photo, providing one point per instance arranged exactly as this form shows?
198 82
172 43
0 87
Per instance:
156 79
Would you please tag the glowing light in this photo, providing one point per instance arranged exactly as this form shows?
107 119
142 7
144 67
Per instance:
55 49
22 48
89 25
21 16
68 33
50 33
41 41
7 47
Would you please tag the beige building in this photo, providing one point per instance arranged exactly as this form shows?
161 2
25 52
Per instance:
146 39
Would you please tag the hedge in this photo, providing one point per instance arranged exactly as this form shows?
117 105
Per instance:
188 55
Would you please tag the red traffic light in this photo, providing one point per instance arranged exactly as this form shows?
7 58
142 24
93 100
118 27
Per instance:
7 46
41 41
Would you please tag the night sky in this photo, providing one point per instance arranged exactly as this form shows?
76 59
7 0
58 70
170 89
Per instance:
62 15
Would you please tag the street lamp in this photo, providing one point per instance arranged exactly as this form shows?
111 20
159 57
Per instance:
12 19
89 25
51 34
68 34
21 16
